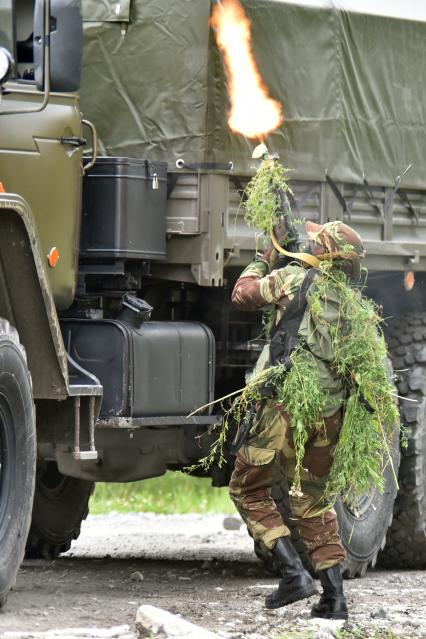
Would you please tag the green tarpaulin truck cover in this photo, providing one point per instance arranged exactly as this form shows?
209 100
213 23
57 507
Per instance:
349 73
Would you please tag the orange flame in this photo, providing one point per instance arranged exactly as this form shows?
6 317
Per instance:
253 112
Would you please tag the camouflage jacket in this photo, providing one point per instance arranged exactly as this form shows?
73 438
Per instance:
258 287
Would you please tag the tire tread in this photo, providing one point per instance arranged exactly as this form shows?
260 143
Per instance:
406 539
8 333
41 546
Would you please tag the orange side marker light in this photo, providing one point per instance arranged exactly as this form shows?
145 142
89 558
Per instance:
53 257
409 280
2 189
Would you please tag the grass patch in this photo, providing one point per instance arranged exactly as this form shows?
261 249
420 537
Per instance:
172 493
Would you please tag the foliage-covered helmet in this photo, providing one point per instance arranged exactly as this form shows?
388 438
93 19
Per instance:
335 236
337 240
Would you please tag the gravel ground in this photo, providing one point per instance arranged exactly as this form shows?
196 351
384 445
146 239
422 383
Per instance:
192 566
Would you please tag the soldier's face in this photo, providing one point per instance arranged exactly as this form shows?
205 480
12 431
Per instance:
313 246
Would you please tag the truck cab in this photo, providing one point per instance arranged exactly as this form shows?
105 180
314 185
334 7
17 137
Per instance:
42 138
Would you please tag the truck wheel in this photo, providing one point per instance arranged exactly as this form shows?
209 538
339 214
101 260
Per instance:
17 455
406 542
364 524
60 505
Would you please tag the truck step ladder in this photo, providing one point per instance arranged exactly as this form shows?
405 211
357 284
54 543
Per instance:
83 384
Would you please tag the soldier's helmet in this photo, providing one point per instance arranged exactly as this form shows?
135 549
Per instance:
337 241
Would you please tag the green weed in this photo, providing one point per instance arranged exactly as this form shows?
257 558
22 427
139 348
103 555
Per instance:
363 632
263 206
370 412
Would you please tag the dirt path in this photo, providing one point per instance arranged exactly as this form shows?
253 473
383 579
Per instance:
192 566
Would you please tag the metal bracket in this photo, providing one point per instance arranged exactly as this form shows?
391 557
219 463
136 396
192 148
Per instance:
339 196
405 199
415 258
74 141
92 453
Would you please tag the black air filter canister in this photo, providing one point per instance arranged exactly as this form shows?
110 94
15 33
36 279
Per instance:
124 209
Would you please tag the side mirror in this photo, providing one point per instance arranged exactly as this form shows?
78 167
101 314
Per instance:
6 65
66 44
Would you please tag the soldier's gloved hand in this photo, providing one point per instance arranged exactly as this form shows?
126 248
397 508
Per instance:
270 255
280 231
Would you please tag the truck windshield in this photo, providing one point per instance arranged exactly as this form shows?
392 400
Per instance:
6 25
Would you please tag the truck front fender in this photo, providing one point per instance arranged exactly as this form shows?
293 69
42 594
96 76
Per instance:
26 299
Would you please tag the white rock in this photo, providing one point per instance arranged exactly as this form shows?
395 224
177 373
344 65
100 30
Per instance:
332 625
163 625
326 628
324 634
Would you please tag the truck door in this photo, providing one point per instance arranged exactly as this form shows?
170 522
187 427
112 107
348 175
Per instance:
40 152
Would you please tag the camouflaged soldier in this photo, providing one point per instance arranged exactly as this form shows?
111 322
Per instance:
270 441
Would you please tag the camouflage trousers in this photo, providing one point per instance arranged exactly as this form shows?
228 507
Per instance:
268 450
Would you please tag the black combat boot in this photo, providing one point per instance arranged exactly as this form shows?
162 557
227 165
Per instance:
296 583
332 604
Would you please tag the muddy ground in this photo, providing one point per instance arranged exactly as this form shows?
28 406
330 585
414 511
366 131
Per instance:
193 566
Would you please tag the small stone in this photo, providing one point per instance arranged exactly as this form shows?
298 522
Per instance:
421 355
232 523
137 576
379 613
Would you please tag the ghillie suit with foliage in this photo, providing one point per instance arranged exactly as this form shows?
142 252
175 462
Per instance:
340 339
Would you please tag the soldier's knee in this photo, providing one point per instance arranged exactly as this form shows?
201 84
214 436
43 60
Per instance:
234 491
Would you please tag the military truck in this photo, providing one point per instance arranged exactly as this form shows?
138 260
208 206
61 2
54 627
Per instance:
122 233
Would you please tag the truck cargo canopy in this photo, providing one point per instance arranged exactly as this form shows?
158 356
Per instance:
349 73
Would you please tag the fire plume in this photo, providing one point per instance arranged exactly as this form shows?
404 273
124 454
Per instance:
253 112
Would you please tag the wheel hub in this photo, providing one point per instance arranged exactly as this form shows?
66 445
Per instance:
50 481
